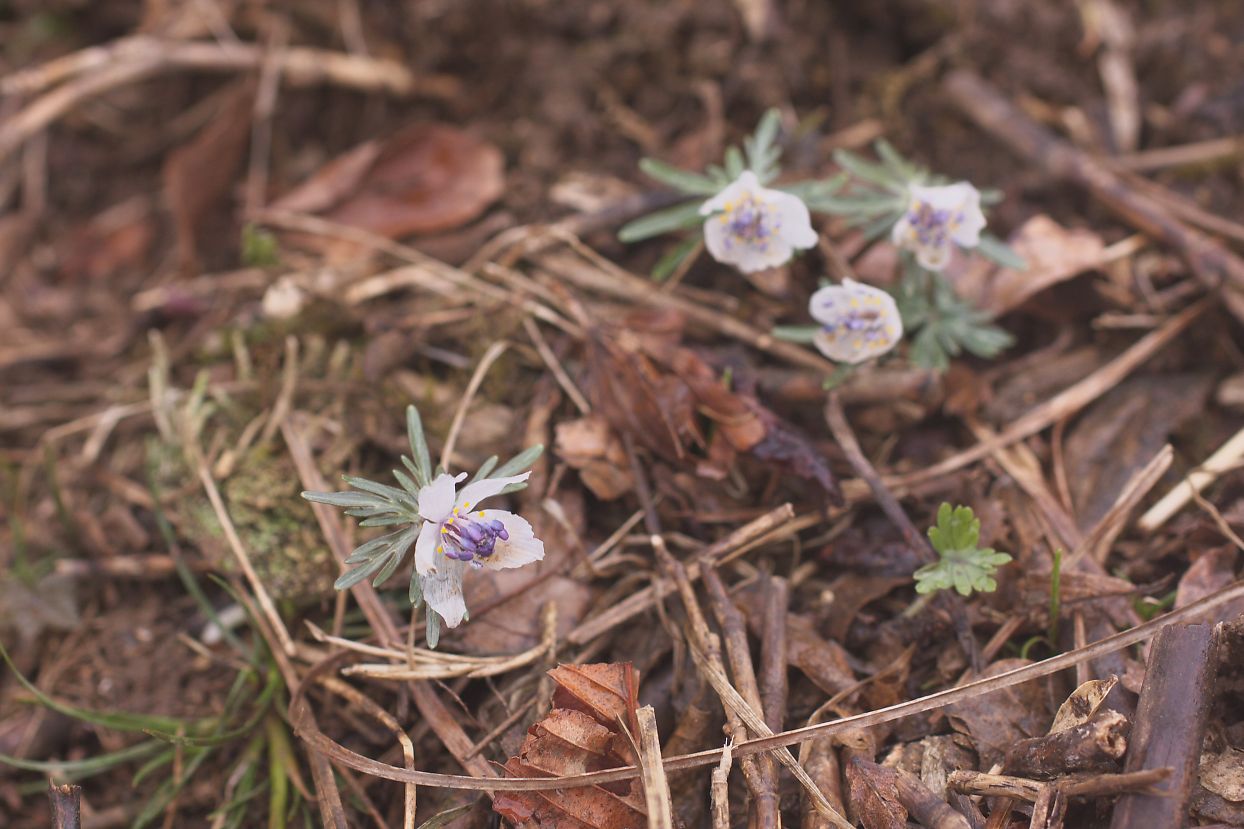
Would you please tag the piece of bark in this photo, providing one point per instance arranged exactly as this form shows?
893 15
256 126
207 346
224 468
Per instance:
823 768
773 679
983 784
66 805
1093 746
927 808
1170 724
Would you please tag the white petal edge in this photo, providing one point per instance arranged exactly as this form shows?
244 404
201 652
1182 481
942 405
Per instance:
425 548
946 196
436 500
521 548
796 220
746 182
472 494
443 592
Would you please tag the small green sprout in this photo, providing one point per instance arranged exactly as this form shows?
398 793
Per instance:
963 565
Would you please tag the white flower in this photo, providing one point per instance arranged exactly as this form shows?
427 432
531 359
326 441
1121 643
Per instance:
858 322
456 533
937 219
754 227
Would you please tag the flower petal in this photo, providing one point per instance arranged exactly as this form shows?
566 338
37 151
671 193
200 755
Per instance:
522 547
794 221
443 592
859 322
946 196
472 494
737 189
425 548
436 500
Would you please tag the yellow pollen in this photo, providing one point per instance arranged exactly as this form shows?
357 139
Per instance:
857 344
481 513
440 549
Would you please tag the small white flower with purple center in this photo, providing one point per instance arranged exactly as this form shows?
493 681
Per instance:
753 228
937 219
858 322
456 534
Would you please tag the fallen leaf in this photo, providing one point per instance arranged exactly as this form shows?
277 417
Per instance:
200 174
427 178
605 691
998 720
1223 774
116 239
1211 571
1122 431
591 447
874 793
1053 253
580 734
1083 704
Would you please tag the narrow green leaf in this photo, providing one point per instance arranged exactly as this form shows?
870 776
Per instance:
392 493
344 499
520 462
352 577
71 770
117 720
993 248
868 171
685 181
418 446
432 631
674 258
803 334
662 221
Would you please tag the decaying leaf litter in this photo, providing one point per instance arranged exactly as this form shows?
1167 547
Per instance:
239 242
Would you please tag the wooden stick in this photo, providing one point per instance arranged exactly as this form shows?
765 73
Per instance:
1174 707
66 805
1227 457
656 787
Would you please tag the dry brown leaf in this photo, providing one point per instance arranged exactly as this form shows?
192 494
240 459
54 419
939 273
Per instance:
1054 254
605 691
1083 704
117 239
1223 774
996 721
875 795
1122 431
1212 570
581 734
591 447
200 174
427 178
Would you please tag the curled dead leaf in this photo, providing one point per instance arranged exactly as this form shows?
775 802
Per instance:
581 734
1053 254
427 178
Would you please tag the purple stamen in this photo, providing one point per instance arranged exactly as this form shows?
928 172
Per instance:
466 539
